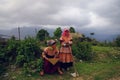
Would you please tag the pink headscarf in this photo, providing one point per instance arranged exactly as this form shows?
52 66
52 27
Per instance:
66 32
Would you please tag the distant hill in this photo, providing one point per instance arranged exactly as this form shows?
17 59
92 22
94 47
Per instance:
31 31
25 31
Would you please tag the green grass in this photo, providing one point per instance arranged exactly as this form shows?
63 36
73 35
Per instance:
106 54
102 49
88 71
98 70
18 75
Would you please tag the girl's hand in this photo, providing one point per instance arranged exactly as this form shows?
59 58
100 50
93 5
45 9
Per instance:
46 58
70 42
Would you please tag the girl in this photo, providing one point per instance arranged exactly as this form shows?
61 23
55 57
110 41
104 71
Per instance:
65 55
50 52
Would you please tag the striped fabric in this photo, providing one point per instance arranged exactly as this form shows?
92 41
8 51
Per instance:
65 51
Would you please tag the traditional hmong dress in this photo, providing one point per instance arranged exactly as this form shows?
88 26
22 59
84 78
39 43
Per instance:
47 66
66 57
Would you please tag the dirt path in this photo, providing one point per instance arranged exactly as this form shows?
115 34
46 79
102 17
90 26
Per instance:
116 78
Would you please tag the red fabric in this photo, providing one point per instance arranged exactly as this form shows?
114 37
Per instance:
49 68
66 32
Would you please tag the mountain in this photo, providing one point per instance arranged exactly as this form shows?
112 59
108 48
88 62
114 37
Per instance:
31 31
25 31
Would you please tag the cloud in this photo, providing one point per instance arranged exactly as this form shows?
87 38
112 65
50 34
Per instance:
90 16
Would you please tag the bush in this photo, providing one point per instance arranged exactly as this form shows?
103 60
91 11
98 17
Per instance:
26 69
20 60
33 66
82 51
7 54
25 53
28 51
39 65
2 54
11 50
2 59
2 69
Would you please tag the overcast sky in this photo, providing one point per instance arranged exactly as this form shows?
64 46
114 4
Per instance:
99 16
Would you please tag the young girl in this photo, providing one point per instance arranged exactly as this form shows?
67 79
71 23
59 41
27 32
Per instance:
66 57
50 52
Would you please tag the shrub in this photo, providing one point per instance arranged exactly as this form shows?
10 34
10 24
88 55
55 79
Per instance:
28 51
2 54
33 66
24 53
2 69
26 69
20 60
2 59
11 51
82 51
39 65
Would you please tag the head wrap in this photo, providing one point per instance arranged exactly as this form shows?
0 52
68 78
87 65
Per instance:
51 42
65 32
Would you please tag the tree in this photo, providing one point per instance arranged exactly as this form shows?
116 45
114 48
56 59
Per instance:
72 30
42 34
92 33
57 32
117 41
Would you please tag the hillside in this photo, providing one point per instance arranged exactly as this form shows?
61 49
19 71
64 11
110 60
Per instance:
105 66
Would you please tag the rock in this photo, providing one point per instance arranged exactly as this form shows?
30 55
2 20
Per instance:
81 61
74 74
29 75
14 77
13 67
6 75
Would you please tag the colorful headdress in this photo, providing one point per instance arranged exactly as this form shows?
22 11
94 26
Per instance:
65 31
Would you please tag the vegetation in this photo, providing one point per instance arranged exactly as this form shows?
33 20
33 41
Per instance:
57 32
42 35
117 41
99 70
82 51
21 60
72 30
2 58
102 68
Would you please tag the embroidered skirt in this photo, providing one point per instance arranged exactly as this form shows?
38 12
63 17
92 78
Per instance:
66 57
49 67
